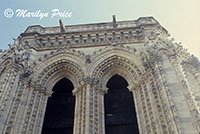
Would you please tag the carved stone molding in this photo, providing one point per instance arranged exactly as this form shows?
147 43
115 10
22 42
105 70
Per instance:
161 74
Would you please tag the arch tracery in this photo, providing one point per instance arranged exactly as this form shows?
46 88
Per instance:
56 67
117 61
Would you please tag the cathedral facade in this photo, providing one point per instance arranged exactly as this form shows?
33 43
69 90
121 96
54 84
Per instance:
126 77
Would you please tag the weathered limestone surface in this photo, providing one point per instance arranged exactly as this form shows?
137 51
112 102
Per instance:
163 77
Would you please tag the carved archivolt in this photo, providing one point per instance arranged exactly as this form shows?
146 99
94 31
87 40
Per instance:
53 68
115 60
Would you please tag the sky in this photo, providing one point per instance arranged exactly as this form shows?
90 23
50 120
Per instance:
180 17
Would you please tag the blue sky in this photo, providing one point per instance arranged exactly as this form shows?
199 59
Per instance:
180 17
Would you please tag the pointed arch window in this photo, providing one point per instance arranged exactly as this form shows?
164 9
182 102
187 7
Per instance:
120 114
59 116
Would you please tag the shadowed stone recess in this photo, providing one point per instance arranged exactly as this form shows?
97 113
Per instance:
59 116
120 115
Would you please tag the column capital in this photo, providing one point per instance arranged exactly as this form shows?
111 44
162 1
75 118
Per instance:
76 90
102 90
48 93
89 80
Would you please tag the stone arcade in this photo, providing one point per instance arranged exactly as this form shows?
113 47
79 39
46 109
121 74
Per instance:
116 77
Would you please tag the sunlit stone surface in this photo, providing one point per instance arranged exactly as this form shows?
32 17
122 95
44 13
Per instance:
105 78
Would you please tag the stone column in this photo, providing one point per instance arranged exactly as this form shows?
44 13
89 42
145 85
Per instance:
28 109
189 96
8 89
192 77
80 110
16 112
40 109
32 115
137 90
25 110
149 108
163 103
99 111
89 109
174 89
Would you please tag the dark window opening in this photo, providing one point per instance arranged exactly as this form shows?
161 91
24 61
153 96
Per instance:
120 114
59 116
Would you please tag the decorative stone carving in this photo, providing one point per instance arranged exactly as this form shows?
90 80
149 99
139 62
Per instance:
161 74
114 21
62 28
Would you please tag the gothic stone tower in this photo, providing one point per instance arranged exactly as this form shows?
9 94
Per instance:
122 77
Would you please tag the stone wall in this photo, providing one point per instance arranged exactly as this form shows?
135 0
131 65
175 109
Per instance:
163 77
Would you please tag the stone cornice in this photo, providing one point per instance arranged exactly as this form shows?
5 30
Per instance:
86 39
142 21
100 34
